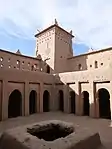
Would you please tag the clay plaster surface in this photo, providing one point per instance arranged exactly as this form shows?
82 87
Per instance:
81 123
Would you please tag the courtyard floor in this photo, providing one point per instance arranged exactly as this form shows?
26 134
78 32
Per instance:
81 122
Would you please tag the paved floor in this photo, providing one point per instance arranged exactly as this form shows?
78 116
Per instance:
81 122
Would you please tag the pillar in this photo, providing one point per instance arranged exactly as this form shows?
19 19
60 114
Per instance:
5 100
77 98
53 98
41 97
111 100
79 101
26 99
92 99
38 99
66 98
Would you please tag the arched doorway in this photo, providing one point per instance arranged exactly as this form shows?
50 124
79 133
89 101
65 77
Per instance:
61 101
33 102
72 101
104 103
15 104
85 103
46 101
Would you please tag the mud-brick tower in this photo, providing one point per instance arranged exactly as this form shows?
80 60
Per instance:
54 44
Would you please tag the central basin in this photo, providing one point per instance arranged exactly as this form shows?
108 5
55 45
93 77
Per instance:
51 131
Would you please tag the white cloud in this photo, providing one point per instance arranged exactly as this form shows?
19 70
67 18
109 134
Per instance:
90 20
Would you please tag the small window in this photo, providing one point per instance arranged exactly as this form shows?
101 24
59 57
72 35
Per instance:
32 68
80 67
48 69
1 59
90 65
28 64
101 63
96 64
35 66
9 60
18 64
1 66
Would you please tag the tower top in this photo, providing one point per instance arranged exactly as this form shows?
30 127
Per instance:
54 25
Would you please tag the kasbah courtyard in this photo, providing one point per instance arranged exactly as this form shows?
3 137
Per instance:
56 85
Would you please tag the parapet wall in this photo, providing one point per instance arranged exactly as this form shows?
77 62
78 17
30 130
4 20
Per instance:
9 60
90 61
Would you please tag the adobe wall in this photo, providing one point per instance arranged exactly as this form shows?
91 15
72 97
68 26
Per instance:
90 81
9 60
45 45
87 61
24 81
63 50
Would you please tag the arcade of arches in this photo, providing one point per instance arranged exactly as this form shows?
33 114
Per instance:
102 101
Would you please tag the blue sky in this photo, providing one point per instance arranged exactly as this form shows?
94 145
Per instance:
27 46
89 20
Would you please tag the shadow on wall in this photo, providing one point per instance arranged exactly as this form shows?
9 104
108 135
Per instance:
100 107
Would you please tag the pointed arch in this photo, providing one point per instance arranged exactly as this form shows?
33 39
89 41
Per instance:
61 100
15 104
33 102
86 105
104 103
72 102
46 98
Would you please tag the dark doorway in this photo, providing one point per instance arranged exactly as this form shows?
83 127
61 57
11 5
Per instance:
48 69
32 102
61 101
46 101
85 103
15 104
72 101
104 103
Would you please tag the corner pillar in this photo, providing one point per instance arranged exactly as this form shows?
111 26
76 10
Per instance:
5 101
